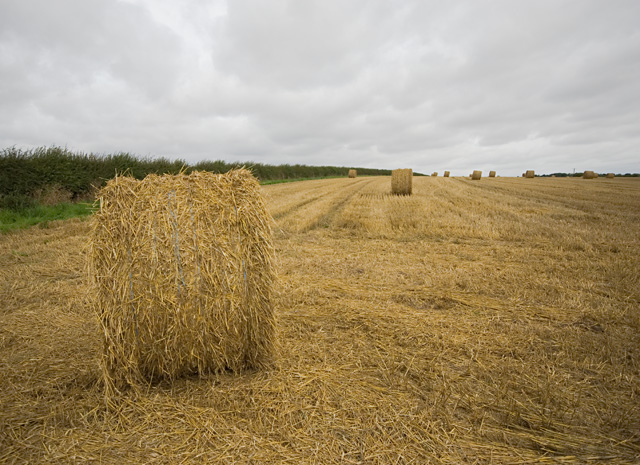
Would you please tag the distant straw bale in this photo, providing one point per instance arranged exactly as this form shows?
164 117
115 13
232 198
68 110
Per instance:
610 175
589 175
476 175
402 181
435 173
492 174
182 269
353 173
446 174
530 174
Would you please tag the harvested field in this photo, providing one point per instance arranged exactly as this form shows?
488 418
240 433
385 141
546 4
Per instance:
467 323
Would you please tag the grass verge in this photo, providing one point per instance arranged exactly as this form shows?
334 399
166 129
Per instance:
41 214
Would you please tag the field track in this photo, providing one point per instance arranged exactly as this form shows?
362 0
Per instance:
473 322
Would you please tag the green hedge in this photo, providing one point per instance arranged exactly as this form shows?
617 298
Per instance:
25 174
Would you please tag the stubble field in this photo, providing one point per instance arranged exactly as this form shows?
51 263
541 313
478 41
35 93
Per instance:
493 321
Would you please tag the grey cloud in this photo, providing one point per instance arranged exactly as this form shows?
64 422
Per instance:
70 42
299 45
425 84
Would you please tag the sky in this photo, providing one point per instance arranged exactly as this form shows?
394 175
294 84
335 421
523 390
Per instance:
505 85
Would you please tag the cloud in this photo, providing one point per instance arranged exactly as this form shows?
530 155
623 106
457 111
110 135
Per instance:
374 83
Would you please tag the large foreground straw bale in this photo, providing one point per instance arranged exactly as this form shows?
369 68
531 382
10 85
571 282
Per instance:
476 175
402 181
183 270
530 174
446 174
589 175
353 173
492 174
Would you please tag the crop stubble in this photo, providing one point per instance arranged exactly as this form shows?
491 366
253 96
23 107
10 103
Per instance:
469 323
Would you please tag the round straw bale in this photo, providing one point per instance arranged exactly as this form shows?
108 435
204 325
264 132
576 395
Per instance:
446 174
435 173
589 175
182 268
402 181
530 174
492 174
610 175
476 175
353 173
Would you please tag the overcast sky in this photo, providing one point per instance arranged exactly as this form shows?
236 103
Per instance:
505 85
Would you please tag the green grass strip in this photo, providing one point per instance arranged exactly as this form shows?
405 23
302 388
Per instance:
11 220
